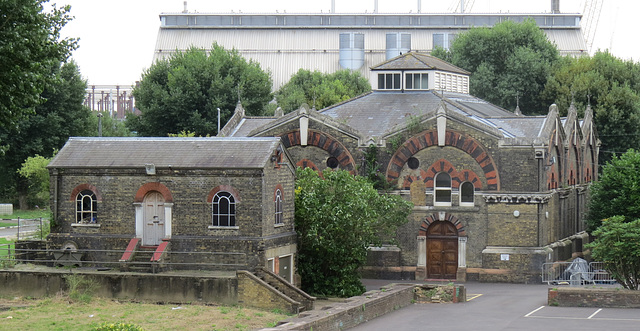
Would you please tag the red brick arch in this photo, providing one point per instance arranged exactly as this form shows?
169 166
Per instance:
82 187
461 141
305 163
226 188
447 217
324 141
153 186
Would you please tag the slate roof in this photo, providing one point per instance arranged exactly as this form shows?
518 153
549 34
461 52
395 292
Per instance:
418 61
248 124
193 153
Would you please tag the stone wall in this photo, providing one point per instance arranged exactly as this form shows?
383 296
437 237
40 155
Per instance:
593 297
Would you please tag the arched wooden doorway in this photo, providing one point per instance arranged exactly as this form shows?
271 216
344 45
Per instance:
442 250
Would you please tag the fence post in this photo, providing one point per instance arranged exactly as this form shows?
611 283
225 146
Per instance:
40 228
18 235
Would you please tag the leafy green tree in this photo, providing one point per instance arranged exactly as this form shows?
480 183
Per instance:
617 245
616 193
508 61
611 86
320 90
337 218
30 45
62 115
34 170
183 92
111 127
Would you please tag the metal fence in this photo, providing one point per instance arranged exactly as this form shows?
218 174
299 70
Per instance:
569 273
110 259
28 228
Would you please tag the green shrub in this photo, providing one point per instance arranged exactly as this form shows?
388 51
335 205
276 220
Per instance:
118 327
81 288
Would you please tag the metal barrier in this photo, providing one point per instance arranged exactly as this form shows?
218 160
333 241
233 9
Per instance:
561 273
109 259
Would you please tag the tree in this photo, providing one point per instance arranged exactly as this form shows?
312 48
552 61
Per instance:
320 90
617 192
183 92
62 115
34 170
337 218
111 127
508 61
30 46
617 245
611 86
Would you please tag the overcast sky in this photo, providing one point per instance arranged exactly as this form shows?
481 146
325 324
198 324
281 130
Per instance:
117 37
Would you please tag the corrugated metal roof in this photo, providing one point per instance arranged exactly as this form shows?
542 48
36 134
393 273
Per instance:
198 153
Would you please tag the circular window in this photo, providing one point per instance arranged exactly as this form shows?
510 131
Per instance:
413 163
332 162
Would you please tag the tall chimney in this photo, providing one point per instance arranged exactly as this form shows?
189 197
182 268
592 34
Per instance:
185 7
461 6
333 6
419 6
555 6
375 6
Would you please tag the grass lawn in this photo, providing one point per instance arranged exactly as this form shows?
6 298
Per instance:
5 224
3 247
59 314
27 214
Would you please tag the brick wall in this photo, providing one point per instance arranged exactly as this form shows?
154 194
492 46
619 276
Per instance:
593 297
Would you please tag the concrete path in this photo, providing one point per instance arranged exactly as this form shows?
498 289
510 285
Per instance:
502 307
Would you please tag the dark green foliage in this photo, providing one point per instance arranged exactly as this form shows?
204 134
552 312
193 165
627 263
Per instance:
617 191
30 46
617 244
111 126
320 90
337 218
507 61
184 92
611 86
62 115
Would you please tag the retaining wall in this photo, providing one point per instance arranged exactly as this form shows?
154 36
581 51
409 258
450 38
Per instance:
594 297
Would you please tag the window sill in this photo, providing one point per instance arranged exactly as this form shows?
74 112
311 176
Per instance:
279 225
85 225
211 227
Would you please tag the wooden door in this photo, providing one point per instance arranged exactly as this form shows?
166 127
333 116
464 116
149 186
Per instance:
442 250
153 230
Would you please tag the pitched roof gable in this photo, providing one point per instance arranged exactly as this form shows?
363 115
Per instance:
418 61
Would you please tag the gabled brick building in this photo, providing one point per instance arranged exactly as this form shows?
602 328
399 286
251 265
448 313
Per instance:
200 203
496 193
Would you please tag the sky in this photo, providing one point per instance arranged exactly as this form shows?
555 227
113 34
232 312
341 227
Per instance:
117 37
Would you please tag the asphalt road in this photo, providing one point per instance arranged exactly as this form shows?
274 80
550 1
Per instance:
27 227
494 307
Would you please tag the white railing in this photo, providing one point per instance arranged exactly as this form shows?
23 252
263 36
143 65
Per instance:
575 273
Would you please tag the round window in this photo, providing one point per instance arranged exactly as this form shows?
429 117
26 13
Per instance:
413 163
332 162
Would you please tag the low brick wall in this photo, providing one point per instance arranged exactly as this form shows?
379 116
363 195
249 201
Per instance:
593 297
126 286
253 291
356 310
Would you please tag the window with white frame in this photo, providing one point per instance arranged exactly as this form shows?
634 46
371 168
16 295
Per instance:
389 81
223 209
466 194
444 40
86 207
278 207
417 81
442 191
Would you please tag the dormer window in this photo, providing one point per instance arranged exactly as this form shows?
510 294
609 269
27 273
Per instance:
416 81
389 81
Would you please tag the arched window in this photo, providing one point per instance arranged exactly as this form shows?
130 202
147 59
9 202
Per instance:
223 209
442 189
466 194
278 206
86 207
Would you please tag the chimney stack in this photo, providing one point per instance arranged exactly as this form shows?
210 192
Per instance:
555 6
185 7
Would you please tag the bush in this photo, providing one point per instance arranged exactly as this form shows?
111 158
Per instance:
118 327
81 288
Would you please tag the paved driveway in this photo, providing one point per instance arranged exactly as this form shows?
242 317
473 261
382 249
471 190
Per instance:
502 307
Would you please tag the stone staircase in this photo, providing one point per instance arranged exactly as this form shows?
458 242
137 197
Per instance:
147 259
281 285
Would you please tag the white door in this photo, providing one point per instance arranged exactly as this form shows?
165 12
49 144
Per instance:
153 230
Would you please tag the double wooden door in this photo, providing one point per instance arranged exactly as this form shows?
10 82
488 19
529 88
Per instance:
442 250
